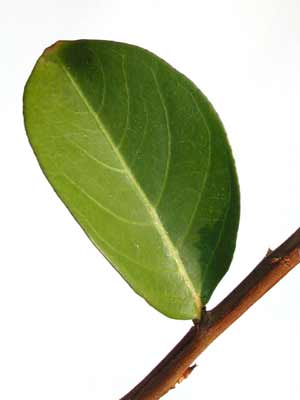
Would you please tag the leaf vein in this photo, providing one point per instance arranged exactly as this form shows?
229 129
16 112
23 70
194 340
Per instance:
96 160
98 204
100 238
218 240
145 131
128 103
163 103
181 241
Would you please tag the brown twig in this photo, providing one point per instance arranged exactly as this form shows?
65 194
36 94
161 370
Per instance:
176 365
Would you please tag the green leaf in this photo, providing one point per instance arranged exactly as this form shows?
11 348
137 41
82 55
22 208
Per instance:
141 160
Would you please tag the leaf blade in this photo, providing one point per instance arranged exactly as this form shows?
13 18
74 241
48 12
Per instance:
138 184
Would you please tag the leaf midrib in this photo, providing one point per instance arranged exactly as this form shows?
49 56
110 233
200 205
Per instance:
151 210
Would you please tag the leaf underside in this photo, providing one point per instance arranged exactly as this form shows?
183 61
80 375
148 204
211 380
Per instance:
140 158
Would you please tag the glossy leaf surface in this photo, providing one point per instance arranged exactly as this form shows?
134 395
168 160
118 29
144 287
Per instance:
141 159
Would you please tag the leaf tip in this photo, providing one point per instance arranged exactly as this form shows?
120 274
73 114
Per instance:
54 47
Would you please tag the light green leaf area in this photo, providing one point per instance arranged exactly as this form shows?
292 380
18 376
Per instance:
141 160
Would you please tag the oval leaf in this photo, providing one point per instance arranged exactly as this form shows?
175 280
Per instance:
141 159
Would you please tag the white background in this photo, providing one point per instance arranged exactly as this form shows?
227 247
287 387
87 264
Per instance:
70 328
